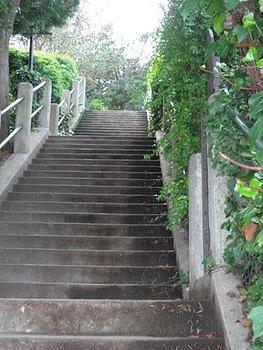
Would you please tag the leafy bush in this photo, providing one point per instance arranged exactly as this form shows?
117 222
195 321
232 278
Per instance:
23 74
60 69
96 104
178 88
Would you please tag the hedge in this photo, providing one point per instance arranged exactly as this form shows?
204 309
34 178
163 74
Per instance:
61 69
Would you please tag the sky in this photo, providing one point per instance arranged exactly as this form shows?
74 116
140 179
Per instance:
130 19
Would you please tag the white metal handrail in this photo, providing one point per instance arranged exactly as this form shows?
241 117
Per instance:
73 104
62 103
38 87
11 106
61 120
72 91
36 111
10 137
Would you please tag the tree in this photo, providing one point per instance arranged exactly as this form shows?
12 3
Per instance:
112 77
8 9
20 17
41 15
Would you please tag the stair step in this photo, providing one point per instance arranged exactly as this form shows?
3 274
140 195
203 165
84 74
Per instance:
121 137
89 291
147 164
109 126
108 317
87 189
81 198
86 274
96 150
74 242
115 208
27 342
102 131
53 140
44 228
58 147
34 171
98 146
85 181
92 155
147 139
131 128
40 165
112 134
68 217
86 257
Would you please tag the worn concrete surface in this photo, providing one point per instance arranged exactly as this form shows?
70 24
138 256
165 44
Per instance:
229 309
195 219
13 167
217 196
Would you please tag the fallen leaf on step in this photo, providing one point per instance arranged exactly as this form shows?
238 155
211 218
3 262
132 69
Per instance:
23 308
242 298
245 322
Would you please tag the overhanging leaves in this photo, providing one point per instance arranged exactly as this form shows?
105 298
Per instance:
256 315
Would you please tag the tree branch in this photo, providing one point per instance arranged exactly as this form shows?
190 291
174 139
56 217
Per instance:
240 165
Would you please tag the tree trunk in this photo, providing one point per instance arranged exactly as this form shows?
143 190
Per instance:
4 86
6 23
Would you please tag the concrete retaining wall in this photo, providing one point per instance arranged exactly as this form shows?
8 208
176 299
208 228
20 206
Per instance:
217 195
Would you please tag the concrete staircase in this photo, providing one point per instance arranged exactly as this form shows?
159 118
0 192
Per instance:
85 260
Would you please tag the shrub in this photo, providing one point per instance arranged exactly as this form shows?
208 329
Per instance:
96 104
60 69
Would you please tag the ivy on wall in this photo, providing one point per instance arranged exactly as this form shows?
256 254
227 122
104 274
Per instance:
178 89
238 26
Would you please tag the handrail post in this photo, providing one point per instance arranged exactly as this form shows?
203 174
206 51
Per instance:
75 100
44 115
54 119
23 118
66 106
83 96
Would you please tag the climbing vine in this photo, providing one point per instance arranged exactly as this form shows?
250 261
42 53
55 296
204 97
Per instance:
239 29
178 80
178 89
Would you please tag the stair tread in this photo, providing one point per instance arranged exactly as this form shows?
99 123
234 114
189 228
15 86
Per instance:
111 317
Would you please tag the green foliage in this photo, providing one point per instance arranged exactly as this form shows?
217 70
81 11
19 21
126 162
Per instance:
238 25
255 294
178 88
184 278
112 77
256 315
96 104
42 15
60 69
23 75
209 263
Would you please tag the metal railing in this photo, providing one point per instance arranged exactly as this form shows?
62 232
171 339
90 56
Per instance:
26 92
49 115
